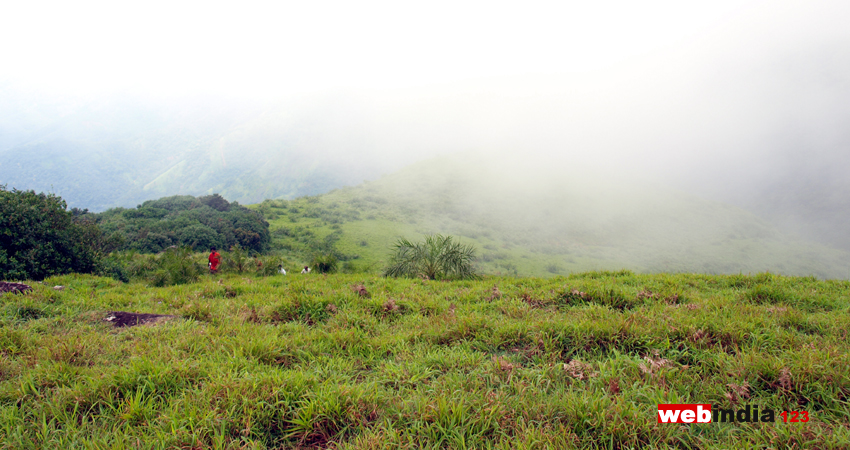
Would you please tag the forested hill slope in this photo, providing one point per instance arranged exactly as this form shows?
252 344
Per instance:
528 219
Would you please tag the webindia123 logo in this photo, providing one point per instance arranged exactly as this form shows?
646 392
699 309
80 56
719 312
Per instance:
703 413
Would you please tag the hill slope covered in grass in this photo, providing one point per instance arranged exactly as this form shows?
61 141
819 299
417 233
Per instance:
362 362
526 219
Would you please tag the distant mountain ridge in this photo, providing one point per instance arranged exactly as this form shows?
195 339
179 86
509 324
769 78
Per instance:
99 154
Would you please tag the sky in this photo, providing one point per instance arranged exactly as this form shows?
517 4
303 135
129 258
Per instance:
695 91
744 102
262 49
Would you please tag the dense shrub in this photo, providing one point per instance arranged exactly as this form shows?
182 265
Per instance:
199 237
40 238
198 223
153 242
175 266
113 267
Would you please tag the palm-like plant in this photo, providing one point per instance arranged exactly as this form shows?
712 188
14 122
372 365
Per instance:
437 257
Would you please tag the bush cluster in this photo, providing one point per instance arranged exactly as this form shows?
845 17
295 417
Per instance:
180 265
39 237
198 223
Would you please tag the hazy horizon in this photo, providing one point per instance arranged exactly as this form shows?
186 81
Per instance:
742 102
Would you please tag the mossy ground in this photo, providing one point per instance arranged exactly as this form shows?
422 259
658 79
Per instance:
310 361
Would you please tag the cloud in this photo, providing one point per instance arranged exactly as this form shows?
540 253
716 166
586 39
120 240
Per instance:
280 48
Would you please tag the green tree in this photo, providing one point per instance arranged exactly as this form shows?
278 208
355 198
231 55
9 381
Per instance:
437 257
40 238
196 222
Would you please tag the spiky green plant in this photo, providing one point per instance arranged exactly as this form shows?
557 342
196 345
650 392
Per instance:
437 257
236 260
324 262
175 266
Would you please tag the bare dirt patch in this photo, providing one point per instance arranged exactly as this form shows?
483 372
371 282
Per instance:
130 319
15 288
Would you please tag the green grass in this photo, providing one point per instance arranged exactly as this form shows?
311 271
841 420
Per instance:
310 361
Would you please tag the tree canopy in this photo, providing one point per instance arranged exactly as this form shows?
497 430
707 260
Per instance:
199 223
40 238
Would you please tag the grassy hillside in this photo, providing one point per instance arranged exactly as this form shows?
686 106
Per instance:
816 206
354 361
526 219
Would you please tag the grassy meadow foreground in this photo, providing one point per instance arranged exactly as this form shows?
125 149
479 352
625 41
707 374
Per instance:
360 361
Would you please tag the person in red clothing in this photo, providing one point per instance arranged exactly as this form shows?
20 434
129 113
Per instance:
215 260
